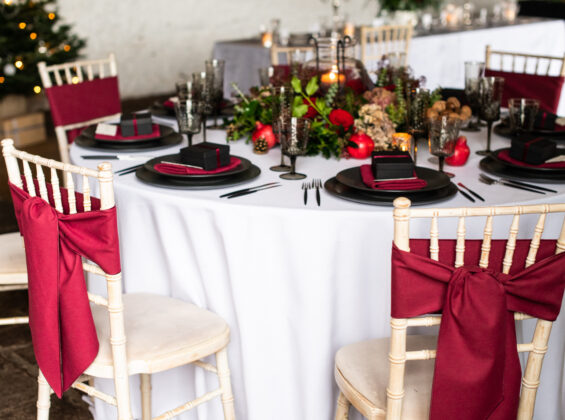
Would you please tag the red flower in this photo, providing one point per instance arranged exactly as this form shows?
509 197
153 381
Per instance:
341 117
311 111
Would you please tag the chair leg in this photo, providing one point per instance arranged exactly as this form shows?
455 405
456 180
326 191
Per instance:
342 409
225 384
43 398
145 385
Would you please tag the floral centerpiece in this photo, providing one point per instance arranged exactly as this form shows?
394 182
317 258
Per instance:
341 119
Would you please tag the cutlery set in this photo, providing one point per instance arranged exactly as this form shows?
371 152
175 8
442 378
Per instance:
316 184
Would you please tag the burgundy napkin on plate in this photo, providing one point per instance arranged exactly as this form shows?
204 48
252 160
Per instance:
169 104
395 184
504 155
154 134
174 169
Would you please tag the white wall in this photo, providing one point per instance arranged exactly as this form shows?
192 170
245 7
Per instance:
156 42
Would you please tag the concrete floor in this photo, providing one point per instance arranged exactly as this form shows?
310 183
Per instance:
18 370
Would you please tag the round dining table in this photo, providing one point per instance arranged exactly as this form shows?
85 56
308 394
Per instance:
294 281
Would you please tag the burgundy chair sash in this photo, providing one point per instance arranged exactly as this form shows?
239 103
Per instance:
477 370
84 101
62 329
547 89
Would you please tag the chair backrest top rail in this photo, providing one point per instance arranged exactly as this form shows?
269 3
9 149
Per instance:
485 211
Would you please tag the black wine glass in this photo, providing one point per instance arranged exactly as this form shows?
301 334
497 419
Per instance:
474 70
189 117
443 135
294 142
216 69
490 89
203 82
282 111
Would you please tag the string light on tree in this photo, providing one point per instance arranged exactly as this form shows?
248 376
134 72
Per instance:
37 89
19 64
9 70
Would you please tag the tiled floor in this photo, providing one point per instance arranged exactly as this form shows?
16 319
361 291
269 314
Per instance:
18 370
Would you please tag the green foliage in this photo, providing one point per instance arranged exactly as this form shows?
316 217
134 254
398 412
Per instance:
30 31
397 111
394 5
257 108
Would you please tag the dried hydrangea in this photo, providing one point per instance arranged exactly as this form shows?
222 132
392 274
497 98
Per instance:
374 121
380 96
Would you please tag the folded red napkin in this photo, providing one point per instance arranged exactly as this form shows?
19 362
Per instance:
179 169
505 156
155 133
395 184
169 104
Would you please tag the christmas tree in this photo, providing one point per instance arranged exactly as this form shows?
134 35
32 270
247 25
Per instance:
30 32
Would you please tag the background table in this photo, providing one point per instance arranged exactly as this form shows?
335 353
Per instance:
439 57
294 282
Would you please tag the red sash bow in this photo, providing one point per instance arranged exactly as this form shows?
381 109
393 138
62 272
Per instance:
477 370
62 329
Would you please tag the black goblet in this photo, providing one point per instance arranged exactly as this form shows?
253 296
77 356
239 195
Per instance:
216 69
443 135
474 70
490 89
189 118
294 142
282 112
203 82
419 101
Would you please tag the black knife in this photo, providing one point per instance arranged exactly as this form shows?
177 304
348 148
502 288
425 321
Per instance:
524 184
509 184
467 196
247 189
239 194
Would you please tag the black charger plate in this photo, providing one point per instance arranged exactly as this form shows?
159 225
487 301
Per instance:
526 169
200 184
497 167
334 187
503 129
90 133
167 141
435 179
175 158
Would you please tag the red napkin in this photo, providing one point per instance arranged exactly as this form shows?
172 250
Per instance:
505 156
477 370
169 104
62 330
154 134
172 169
397 184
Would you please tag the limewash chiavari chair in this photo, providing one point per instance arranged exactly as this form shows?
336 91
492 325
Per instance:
73 73
379 41
287 52
374 377
161 332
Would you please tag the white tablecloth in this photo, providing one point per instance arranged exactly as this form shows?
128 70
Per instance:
439 57
294 282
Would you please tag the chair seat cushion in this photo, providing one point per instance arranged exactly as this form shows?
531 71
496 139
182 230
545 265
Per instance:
362 370
161 332
12 259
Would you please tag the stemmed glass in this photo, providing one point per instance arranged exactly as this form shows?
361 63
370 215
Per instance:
186 90
474 70
282 112
490 92
216 69
443 135
189 117
203 82
294 142
419 100
265 75
522 112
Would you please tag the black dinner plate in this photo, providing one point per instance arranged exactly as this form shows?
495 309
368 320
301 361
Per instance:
175 158
526 169
497 167
435 179
151 178
334 187
167 141
503 129
90 132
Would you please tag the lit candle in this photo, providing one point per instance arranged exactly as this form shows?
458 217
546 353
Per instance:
403 142
267 39
333 76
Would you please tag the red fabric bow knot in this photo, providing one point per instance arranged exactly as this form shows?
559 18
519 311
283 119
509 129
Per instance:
62 329
477 370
